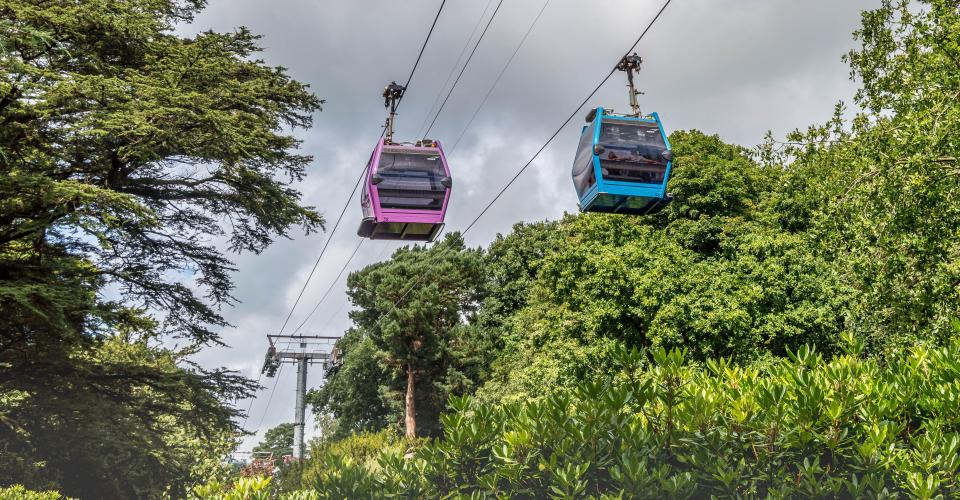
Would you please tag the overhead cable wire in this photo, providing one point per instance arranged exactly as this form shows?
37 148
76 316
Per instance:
333 283
246 414
464 68
453 68
327 323
423 47
276 382
320 257
499 76
534 157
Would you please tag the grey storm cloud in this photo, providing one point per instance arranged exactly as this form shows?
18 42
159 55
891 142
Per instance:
737 68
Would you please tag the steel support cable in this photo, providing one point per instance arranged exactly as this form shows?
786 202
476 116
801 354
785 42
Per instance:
276 382
423 47
326 324
246 414
356 185
336 280
464 68
320 257
534 157
499 76
453 68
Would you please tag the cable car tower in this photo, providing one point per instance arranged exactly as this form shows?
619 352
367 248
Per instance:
302 350
623 161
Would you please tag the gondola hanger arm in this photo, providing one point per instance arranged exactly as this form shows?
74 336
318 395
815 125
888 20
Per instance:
629 65
392 94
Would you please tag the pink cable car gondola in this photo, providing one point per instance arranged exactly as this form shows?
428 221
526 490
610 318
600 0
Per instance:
406 187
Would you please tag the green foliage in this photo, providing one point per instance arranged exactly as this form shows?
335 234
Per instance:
883 190
278 440
345 468
123 148
127 143
798 427
713 273
245 488
18 492
409 321
803 426
342 468
248 488
511 265
122 417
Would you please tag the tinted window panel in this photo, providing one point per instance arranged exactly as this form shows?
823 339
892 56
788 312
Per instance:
632 151
583 177
410 180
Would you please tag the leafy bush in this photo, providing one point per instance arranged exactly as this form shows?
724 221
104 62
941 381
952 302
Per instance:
798 427
347 468
245 488
18 492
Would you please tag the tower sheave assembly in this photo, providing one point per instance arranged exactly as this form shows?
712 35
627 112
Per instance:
301 350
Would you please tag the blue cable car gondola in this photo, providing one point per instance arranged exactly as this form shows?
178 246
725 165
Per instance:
623 161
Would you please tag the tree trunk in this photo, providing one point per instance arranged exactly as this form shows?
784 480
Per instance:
411 417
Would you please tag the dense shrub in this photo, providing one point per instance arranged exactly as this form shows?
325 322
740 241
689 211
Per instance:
18 492
247 488
801 427
346 468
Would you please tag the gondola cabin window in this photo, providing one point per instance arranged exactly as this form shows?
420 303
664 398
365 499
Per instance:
583 174
631 151
407 180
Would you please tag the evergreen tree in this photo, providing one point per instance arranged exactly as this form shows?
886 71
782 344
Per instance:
127 152
412 308
277 440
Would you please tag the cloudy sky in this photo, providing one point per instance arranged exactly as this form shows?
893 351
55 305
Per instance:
736 68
